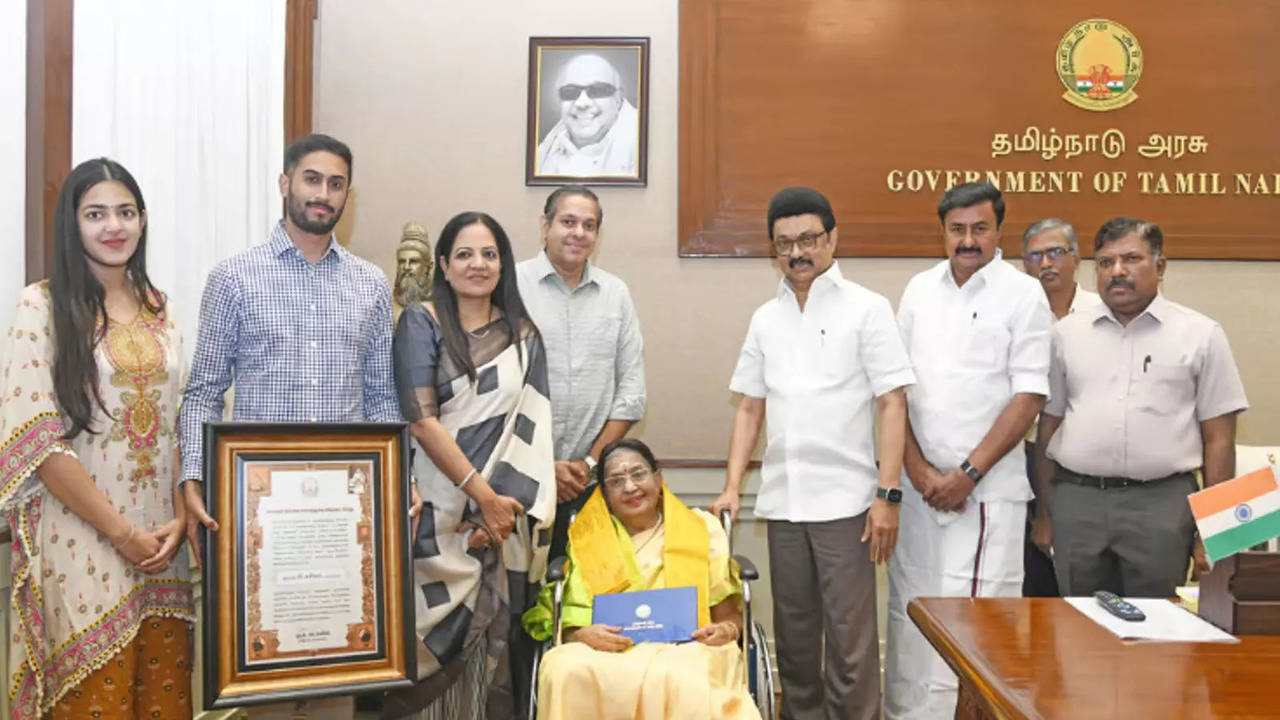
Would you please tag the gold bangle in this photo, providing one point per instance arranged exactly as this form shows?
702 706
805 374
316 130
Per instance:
132 531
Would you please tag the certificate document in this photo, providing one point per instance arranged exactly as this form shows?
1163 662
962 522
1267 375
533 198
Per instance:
664 615
308 561
308 583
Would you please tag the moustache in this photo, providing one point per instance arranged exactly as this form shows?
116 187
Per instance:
1120 282
1048 273
797 262
969 250
325 206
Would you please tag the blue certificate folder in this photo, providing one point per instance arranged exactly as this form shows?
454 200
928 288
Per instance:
666 615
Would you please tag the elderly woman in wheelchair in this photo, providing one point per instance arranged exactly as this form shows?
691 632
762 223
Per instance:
635 534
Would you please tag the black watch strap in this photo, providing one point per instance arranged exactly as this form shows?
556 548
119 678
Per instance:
893 495
968 469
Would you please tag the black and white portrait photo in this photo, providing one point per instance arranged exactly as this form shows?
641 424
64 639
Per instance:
588 111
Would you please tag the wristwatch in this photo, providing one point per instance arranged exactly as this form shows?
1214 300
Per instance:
893 495
968 469
590 462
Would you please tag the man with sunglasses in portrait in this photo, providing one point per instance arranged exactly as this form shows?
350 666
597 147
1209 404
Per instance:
978 331
822 360
1050 254
599 129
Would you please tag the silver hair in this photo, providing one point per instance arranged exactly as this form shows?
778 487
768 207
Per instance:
1040 226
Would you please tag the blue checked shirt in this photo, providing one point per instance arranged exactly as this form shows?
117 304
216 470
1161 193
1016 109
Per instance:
301 342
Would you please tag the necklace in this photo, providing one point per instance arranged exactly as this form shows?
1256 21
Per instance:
653 533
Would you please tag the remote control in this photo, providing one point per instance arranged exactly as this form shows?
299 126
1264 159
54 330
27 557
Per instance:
1118 607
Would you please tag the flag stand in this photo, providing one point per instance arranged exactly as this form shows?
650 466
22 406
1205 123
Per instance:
1241 594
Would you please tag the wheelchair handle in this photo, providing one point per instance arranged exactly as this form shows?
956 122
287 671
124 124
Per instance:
726 520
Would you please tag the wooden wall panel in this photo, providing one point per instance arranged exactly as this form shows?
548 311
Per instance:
299 48
837 93
48 125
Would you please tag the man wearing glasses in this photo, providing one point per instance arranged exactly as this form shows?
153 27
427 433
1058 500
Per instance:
1144 392
978 332
1049 253
599 130
819 360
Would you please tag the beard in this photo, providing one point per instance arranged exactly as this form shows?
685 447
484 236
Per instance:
298 215
411 288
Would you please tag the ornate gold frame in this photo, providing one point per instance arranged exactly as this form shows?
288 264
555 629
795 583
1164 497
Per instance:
387 654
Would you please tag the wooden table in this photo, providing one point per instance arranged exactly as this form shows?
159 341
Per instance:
1041 658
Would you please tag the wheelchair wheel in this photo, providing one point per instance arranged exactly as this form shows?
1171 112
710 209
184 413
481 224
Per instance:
760 673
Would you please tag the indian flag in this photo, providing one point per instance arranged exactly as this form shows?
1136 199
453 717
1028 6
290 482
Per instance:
1083 83
1237 514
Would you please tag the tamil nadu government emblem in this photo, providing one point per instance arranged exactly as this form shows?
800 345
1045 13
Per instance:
1100 62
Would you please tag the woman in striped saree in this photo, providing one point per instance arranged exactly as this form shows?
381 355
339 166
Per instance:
472 377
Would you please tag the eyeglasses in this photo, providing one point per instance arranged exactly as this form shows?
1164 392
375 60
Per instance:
638 476
1034 257
804 241
595 91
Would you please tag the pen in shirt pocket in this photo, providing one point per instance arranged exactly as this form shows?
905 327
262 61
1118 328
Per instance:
822 337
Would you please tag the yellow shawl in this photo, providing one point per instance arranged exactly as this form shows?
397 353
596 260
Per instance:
684 551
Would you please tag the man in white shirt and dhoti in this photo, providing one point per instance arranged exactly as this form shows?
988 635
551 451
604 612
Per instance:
978 331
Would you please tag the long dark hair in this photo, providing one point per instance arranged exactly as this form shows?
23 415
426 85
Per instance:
79 309
506 296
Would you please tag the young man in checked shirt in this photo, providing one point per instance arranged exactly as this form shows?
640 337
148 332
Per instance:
301 327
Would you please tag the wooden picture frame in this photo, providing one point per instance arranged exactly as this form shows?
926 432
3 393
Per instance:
307 581
598 135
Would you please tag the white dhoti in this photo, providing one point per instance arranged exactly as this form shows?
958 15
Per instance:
976 553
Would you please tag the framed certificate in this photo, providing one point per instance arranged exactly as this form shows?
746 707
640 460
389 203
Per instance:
306 582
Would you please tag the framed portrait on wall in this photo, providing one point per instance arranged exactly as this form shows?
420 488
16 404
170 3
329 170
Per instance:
307 589
588 111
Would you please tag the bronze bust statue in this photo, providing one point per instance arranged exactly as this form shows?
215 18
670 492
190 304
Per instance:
413 266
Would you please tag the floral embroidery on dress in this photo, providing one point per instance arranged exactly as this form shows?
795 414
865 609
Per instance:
138 359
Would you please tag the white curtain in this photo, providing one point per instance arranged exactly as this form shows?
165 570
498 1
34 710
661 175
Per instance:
189 96
13 157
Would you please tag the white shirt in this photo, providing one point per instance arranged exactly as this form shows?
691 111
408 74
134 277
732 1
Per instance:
1132 397
819 371
1083 300
973 348
615 154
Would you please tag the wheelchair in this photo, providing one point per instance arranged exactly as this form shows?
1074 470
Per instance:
754 643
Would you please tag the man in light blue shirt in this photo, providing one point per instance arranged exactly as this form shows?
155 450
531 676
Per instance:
299 325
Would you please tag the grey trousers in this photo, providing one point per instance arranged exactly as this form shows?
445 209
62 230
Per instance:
1133 541
824 607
